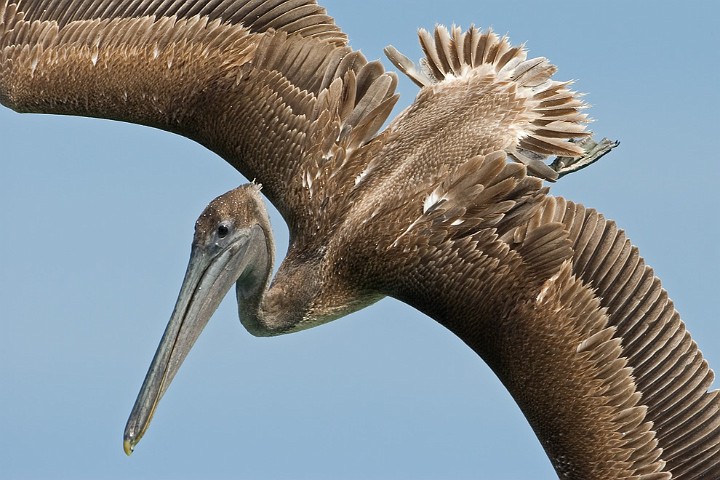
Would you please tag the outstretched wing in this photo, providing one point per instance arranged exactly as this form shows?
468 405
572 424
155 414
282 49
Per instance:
263 83
563 308
668 368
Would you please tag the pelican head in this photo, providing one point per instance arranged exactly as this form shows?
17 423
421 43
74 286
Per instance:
233 244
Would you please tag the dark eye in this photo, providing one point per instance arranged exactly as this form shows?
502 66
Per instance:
223 231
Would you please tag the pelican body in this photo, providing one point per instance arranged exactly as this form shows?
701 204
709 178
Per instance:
444 209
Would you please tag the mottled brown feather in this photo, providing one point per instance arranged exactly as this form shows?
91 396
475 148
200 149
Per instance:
667 366
557 288
305 17
249 94
547 113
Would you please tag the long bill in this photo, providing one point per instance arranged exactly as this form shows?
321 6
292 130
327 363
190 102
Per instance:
209 276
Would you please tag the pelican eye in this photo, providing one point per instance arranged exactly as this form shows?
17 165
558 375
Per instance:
223 231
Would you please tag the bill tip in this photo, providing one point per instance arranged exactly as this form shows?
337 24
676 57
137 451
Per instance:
128 447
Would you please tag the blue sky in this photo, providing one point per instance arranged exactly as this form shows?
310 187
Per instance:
96 220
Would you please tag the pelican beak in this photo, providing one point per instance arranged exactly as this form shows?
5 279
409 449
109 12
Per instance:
210 274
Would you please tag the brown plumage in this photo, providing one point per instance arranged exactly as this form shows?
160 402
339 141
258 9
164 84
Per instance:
430 211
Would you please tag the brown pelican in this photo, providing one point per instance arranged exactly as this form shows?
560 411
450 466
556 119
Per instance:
480 228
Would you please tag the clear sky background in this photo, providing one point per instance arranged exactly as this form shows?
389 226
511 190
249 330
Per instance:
96 219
